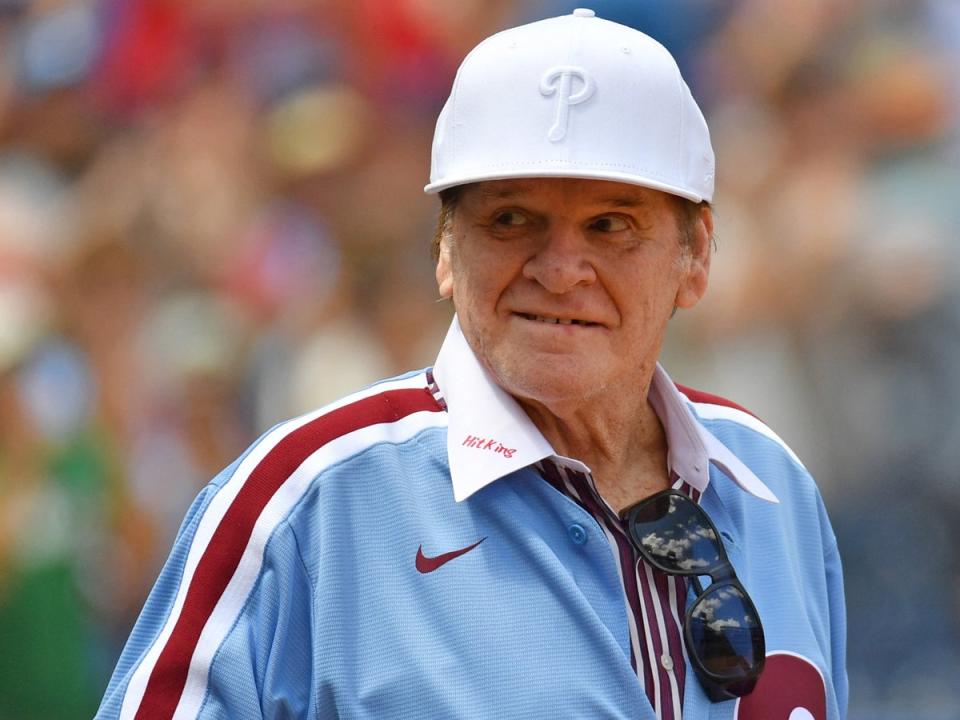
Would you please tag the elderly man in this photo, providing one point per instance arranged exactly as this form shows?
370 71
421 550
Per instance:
542 525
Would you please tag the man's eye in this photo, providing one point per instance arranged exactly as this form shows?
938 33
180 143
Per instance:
510 218
610 223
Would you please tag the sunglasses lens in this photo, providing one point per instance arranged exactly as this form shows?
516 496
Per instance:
725 633
674 531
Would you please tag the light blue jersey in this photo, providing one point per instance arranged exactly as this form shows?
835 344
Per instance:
341 569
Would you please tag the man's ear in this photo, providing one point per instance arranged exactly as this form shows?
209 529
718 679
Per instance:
444 269
694 284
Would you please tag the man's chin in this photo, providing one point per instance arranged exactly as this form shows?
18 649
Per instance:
547 378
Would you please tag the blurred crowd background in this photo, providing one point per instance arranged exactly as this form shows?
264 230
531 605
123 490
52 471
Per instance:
211 219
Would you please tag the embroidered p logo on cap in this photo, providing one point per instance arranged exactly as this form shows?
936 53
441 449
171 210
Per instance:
559 81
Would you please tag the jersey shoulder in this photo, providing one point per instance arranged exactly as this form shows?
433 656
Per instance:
734 424
239 525
389 411
705 398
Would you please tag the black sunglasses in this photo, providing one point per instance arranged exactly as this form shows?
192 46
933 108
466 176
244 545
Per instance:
721 631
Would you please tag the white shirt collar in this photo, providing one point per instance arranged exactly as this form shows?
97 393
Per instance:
490 436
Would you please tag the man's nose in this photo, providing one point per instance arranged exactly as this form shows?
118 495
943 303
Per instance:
561 261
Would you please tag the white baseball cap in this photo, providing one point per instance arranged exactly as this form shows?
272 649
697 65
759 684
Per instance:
573 96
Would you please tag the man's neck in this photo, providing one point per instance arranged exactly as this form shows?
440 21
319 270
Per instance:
626 451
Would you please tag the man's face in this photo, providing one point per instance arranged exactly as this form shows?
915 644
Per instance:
564 287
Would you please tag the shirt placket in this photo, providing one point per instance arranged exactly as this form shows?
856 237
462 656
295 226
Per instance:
656 601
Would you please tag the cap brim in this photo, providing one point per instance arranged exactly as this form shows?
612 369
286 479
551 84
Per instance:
628 178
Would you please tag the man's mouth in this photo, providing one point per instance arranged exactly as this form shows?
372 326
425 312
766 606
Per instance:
557 320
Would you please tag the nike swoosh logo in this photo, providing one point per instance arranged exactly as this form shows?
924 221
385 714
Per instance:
429 564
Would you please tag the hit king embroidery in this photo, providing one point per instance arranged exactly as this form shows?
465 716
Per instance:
492 445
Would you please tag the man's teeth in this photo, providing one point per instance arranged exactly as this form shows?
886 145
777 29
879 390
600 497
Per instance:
557 321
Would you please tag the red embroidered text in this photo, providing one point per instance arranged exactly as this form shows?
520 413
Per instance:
488 444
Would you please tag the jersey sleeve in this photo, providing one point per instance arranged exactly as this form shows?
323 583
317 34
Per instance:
265 660
155 612
220 635
838 628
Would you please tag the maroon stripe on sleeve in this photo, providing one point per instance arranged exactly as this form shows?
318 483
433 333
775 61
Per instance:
225 549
